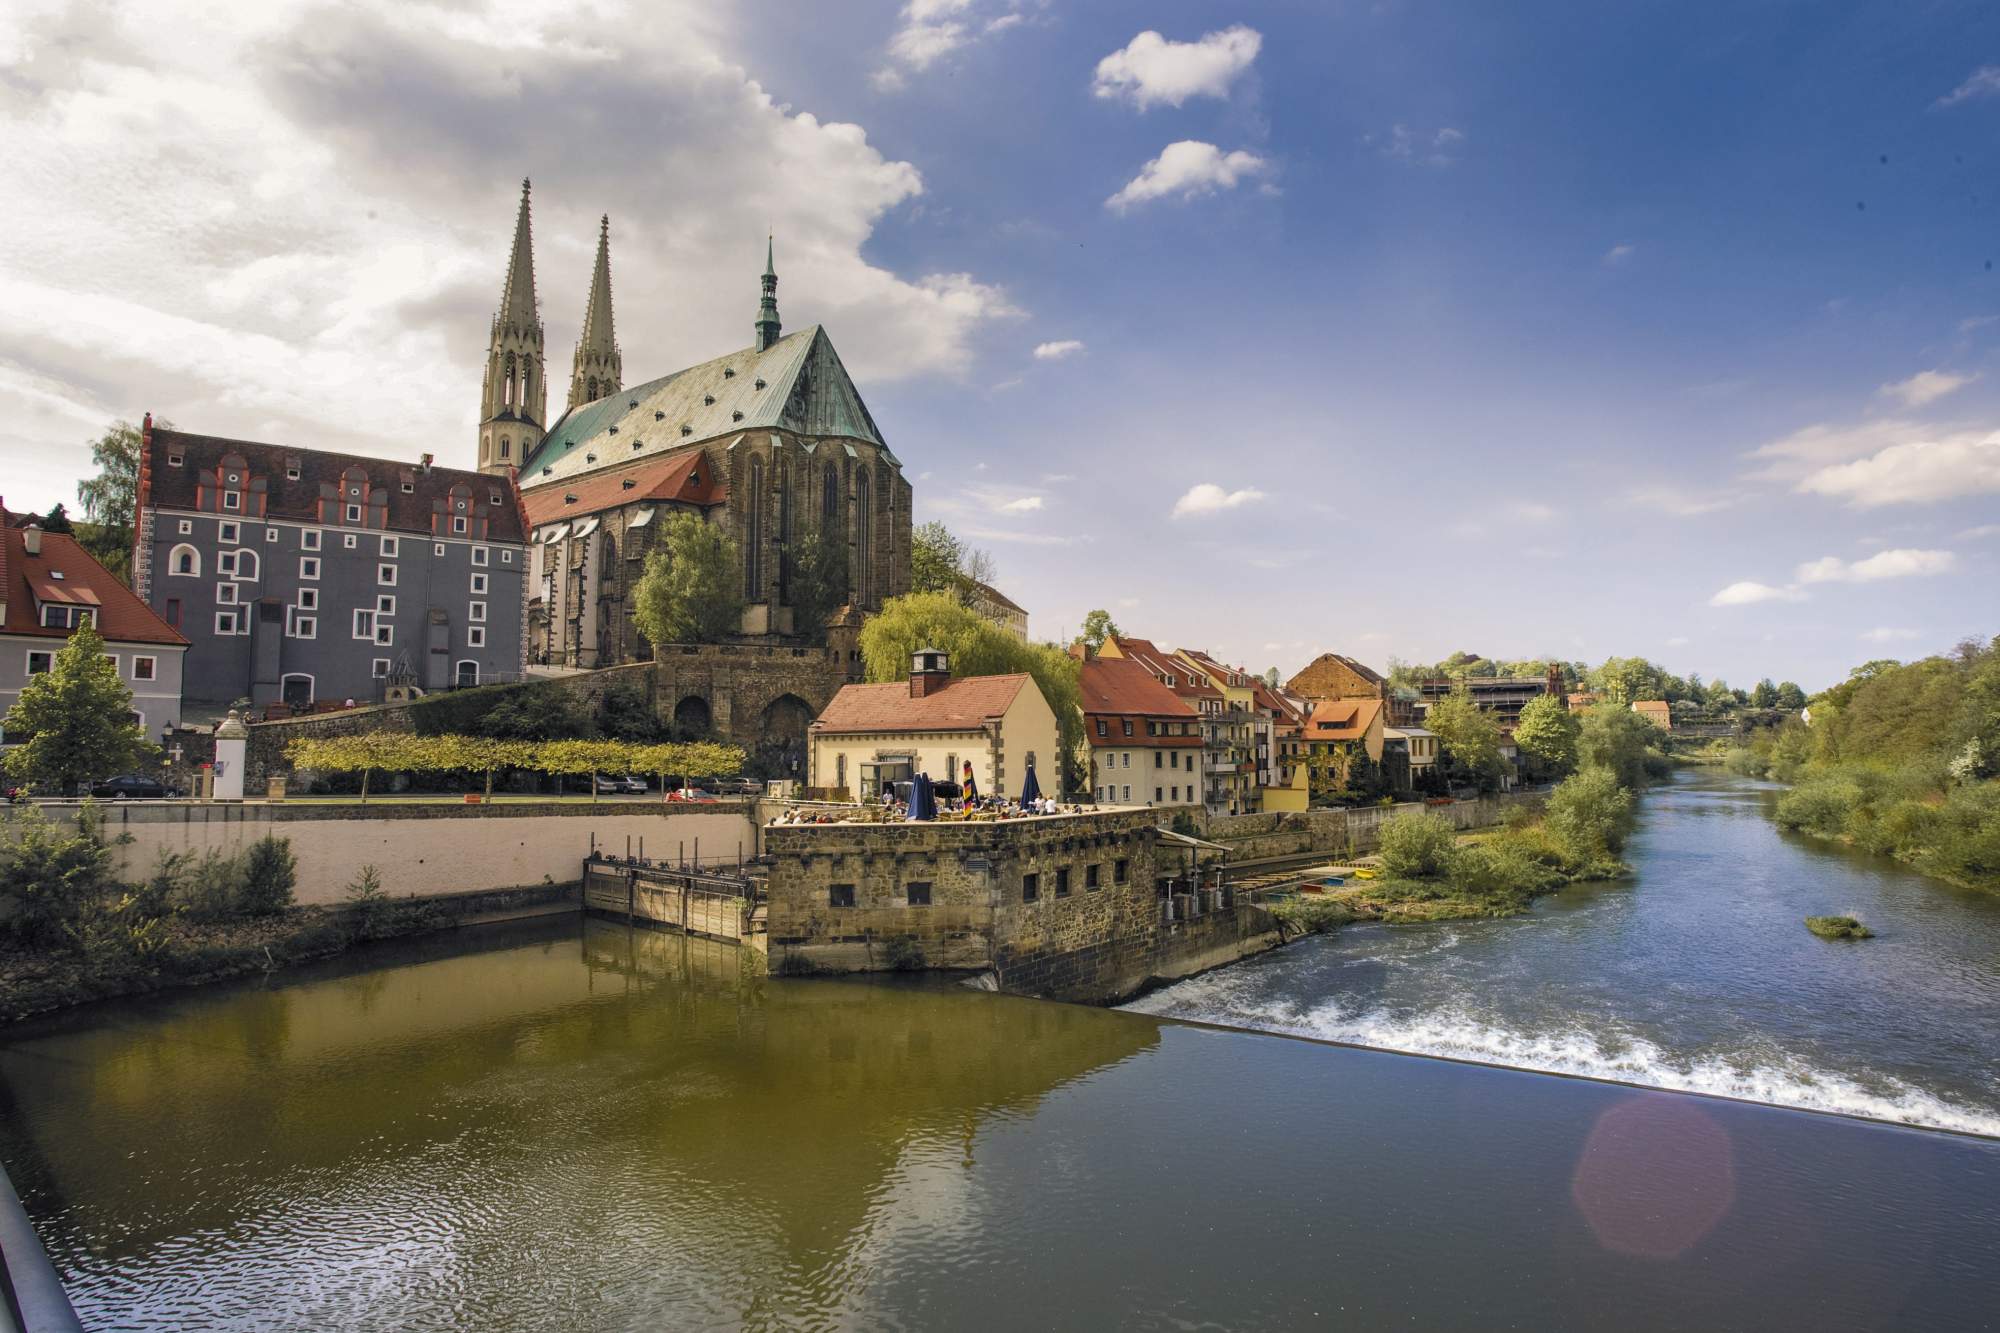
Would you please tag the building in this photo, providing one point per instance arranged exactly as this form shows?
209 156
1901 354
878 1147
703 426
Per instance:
1333 676
1503 696
1656 711
1580 701
873 735
1001 609
1411 755
49 587
1218 729
772 442
1144 741
1246 732
299 575
1338 732
1282 778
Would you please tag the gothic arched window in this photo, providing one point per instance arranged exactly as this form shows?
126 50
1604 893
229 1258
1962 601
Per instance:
753 543
864 539
506 449
784 530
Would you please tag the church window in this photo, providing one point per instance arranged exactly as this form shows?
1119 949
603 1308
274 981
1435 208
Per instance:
864 536
506 447
753 547
784 530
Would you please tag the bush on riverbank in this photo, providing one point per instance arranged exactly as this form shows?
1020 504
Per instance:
1838 928
1311 914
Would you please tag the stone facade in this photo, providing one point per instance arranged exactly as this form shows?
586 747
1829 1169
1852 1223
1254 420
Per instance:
1332 676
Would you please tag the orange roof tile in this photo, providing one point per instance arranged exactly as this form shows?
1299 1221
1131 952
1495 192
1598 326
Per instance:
27 579
1342 719
686 477
963 705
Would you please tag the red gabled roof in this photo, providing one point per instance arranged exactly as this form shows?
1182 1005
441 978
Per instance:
1120 689
1275 703
1342 719
28 580
1188 684
685 477
962 705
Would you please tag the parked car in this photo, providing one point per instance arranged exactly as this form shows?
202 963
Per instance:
131 786
610 784
731 786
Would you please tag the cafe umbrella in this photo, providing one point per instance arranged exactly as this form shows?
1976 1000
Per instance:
1031 789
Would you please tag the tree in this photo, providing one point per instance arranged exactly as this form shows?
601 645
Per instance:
1470 737
1097 627
111 498
1548 731
77 718
818 582
1765 695
1618 741
57 520
940 562
1790 697
1271 677
692 590
976 647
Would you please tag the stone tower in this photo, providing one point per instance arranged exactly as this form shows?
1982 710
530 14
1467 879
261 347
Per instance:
514 400
768 327
598 370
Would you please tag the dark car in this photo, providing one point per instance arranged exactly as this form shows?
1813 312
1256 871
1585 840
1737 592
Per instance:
131 786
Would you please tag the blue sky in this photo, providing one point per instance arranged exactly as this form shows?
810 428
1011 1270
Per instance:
1516 329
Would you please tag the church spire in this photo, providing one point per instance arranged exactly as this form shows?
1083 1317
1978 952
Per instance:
598 369
515 397
768 327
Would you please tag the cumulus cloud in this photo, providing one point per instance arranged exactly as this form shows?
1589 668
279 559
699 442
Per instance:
1982 82
1208 498
1747 592
330 193
930 30
1188 169
1918 471
1027 504
1056 351
1901 563
1886 634
1925 386
1153 71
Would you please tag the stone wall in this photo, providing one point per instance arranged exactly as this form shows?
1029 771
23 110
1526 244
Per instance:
1101 934
429 849
1346 832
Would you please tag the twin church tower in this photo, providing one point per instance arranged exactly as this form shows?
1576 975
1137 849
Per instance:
513 404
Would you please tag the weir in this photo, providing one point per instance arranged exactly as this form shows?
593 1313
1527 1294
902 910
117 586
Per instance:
713 904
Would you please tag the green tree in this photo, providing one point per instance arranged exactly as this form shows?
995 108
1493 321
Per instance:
692 590
1719 697
1271 677
818 583
1618 741
1470 737
940 562
1765 695
77 718
57 520
112 496
1097 627
1547 730
976 647
1790 697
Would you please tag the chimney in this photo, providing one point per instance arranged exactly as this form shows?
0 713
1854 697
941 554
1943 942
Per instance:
424 465
31 539
930 671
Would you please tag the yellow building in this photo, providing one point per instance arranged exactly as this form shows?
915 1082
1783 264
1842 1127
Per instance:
873 735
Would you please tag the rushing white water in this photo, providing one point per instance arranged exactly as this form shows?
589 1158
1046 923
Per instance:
1764 1074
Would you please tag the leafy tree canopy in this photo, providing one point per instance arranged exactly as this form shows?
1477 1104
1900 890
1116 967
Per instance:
818 583
1548 731
692 589
1470 737
57 520
940 562
1097 627
111 497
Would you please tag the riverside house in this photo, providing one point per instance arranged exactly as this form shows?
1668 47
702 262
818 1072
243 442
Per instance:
1142 739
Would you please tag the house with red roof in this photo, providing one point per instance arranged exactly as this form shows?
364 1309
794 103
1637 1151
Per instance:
999 727
1143 740
50 586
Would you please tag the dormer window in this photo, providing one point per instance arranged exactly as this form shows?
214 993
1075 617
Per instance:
760 382
611 430
728 372
687 430
736 416
409 487
493 497
175 460
708 400
590 458
659 416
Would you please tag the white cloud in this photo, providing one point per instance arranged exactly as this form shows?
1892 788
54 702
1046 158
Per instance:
1925 386
1208 498
1979 533
1885 634
1748 592
331 192
1917 471
1188 169
1982 82
1027 504
1618 254
1901 563
1152 70
1127 603
1436 148
931 30
1056 351
1682 503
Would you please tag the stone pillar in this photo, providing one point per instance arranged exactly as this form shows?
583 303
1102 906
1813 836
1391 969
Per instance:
232 744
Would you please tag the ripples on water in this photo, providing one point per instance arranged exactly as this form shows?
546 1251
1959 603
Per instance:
1697 975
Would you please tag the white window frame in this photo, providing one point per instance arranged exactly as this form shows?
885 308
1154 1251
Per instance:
385 604
229 620
475 636
385 576
270 534
309 567
364 623
349 541
308 539
152 667
301 624
242 554
477 614
185 527
48 664
308 599
228 530
353 512
506 557
391 548
312 685
458 525
479 555
479 585
232 500
385 635
379 668
438 550
228 594
465 662
173 560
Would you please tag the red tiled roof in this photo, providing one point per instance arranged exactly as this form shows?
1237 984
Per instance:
428 499
26 579
1275 703
1189 684
1342 719
686 477
963 705
1118 689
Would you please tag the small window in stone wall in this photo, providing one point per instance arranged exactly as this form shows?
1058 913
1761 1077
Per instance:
840 895
1062 882
919 894
1121 870
1031 887
1090 876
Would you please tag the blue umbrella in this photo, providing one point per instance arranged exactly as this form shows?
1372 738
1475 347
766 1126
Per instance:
923 803
1031 790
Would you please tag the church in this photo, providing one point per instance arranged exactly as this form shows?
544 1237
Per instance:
770 441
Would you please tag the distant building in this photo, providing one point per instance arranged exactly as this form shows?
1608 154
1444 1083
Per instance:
299 575
999 608
1502 696
1337 730
1656 711
1581 701
1282 778
872 735
1412 748
1332 676
1221 731
49 587
1144 740
1247 733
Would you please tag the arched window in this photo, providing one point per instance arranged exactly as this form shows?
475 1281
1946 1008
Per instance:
784 530
840 771
507 382
829 500
467 674
864 536
246 563
753 540
185 561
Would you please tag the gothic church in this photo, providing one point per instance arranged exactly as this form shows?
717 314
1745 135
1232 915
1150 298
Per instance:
770 441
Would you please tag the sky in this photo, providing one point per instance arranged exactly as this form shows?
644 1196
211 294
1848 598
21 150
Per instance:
1391 329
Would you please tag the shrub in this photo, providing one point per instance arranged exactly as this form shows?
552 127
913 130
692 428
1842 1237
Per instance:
1418 846
1589 816
368 903
1819 805
1838 928
1311 914
52 877
904 954
270 873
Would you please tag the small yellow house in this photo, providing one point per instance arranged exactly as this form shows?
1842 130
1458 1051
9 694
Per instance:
873 735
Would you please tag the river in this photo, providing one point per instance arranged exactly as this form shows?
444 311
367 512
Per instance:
1696 974
574 1125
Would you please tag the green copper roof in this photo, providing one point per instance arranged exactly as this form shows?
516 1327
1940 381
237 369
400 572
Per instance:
797 384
